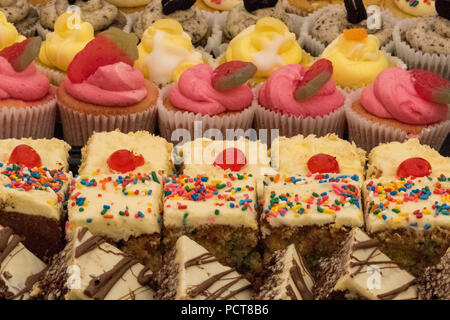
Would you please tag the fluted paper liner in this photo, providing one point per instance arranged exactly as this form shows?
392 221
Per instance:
415 59
78 126
368 134
56 77
315 47
35 121
290 125
169 120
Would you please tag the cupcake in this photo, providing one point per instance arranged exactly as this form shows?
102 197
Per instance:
8 33
166 51
61 46
217 5
305 7
246 14
130 6
410 9
269 45
27 101
425 42
399 105
104 92
99 13
296 100
357 59
22 15
325 25
192 21
206 99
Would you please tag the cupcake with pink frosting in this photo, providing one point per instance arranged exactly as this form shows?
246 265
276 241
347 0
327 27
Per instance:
296 100
204 99
104 92
400 104
27 100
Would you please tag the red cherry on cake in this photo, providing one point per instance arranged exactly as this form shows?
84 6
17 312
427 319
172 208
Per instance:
323 163
124 161
231 158
414 167
26 156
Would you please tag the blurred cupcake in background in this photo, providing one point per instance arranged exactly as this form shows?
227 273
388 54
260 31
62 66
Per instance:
99 13
296 100
357 59
27 100
130 6
166 51
61 46
410 9
8 33
22 15
269 45
104 92
191 20
400 104
212 99
217 5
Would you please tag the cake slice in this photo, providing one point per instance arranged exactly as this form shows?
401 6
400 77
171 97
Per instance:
19 268
191 272
116 152
34 180
123 208
434 283
359 270
220 213
287 277
295 155
89 268
314 212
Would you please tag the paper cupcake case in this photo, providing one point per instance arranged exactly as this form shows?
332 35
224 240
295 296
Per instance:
35 121
78 126
169 120
439 64
367 134
315 47
55 77
289 125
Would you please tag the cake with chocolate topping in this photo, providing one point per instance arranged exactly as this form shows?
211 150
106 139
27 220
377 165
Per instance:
89 268
220 213
434 284
19 268
286 277
359 270
191 272
34 179
314 211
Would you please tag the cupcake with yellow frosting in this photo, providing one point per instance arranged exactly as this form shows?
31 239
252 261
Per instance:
269 45
8 33
61 46
166 51
130 6
410 9
357 59
22 15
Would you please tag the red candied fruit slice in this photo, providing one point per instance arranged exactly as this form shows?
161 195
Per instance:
98 52
22 54
26 156
231 158
430 86
232 74
414 167
323 163
315 78
124 161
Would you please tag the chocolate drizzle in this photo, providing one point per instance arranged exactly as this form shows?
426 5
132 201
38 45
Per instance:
299 281
7 245
143 278
201 259
393 293
88 245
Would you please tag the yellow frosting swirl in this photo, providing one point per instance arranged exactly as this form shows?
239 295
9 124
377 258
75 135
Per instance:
166 51
356 63
8 33
268 44
69 38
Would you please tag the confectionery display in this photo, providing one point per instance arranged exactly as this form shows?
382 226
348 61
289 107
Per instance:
224 150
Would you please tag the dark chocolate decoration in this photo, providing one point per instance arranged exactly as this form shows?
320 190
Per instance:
252 5
73 1
170 6
443 8
356 12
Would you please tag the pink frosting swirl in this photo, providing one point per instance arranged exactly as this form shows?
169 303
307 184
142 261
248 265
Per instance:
194 92
114 85
393 96
277 94
28 85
